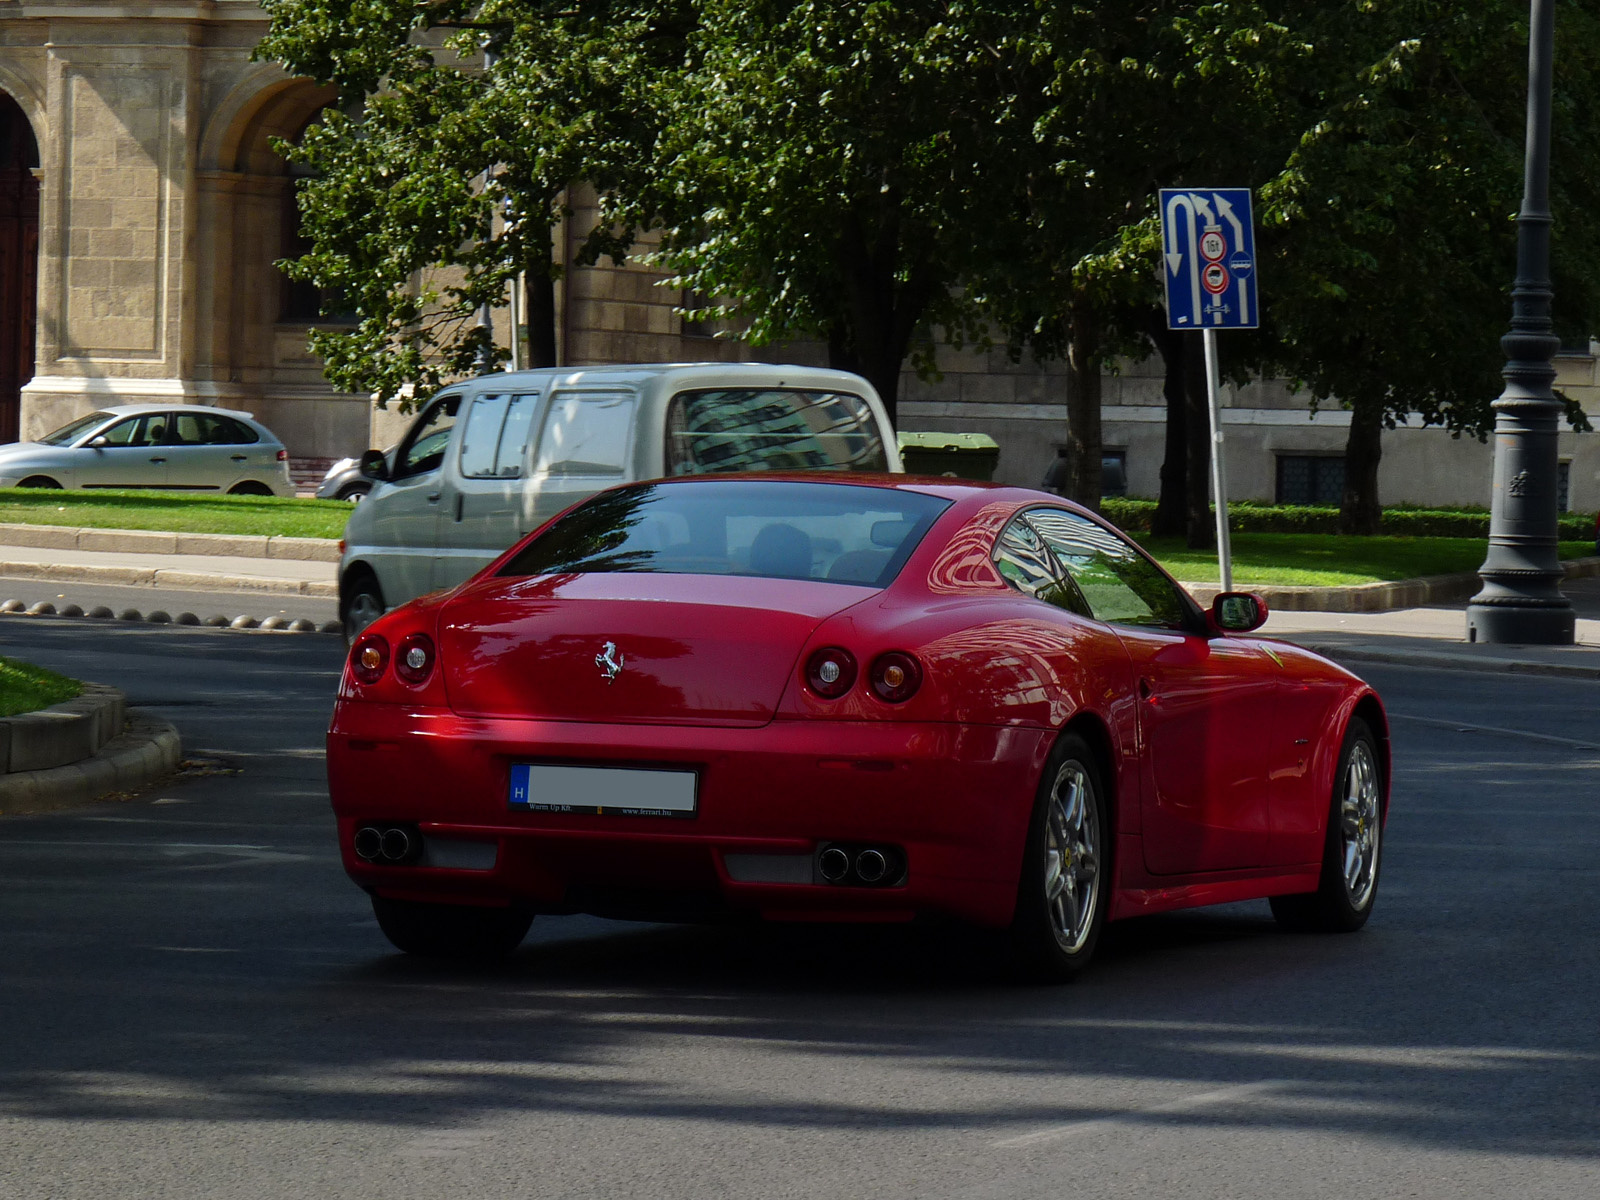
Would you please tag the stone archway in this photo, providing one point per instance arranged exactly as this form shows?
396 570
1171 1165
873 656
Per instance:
19 259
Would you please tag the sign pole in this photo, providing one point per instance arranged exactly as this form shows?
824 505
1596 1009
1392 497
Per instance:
1219 473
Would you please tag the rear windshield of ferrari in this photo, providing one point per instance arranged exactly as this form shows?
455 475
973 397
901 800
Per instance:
835 532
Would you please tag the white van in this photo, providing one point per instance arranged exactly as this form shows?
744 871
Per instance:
491 459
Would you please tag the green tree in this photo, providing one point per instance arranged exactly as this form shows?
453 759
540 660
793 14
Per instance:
435 187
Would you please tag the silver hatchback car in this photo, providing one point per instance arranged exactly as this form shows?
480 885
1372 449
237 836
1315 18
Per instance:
181 447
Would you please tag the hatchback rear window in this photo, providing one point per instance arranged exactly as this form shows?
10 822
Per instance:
835 532
770 429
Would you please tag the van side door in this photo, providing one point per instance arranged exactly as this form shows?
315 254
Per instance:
481 505
405 509
585 445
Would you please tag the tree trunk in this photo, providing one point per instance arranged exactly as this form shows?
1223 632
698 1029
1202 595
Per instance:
539 307
880 311
1172 507
1200 528
1360 511
1083 408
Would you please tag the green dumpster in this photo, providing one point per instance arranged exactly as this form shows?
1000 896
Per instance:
966 455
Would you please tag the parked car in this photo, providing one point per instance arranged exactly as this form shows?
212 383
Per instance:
344 481
181 447
492 459
845 699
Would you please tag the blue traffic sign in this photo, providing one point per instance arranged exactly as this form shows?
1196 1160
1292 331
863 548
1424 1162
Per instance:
1208 246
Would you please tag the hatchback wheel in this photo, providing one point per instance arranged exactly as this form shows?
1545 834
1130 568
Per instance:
249 488
39 481
362 603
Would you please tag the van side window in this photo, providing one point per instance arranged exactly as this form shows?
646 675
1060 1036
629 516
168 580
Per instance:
514 437
586 435
481 437
423 449
771 429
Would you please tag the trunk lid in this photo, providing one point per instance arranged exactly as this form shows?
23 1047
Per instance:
633 648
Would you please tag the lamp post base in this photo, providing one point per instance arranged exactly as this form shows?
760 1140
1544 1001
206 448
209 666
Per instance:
1521 624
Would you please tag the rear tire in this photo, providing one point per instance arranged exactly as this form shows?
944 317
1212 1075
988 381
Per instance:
250 488
355 493
1348 885
459 931
1062 896
39 481
361 603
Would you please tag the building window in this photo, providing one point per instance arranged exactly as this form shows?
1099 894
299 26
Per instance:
1563 478
1113 472
1310 479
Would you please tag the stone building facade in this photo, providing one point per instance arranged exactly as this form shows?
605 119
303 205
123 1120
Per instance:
142 209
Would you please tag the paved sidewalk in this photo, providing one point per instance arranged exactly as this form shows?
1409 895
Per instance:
1436 638
196 572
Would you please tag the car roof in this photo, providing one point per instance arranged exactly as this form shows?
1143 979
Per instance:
134 410
947 487
702 373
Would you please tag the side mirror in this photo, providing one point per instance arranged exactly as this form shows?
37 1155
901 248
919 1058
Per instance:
1238 612
374 465
98 442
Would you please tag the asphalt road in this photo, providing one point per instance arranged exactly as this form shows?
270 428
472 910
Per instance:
195 1003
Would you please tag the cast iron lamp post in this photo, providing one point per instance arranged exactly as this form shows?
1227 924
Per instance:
1521 600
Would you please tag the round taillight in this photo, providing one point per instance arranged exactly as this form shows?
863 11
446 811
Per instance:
896 676
368 658
831 672
413 662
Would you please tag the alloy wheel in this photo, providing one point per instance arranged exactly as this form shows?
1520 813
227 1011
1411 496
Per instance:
1072 856
1360 824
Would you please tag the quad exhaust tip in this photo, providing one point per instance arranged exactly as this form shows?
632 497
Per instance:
390 845
861 866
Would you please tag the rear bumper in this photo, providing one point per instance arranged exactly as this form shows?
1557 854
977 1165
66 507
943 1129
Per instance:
956 799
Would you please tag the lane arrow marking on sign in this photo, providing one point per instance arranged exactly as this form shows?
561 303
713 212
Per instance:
1175 258
1226 210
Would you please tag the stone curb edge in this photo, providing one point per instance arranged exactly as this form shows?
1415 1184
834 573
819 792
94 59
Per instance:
148 749
157 616
62 734
1449 662
1379 597
203 581
147 541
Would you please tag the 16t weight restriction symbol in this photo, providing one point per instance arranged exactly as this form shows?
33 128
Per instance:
1213 245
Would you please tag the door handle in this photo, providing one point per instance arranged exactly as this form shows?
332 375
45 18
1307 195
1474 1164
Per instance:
237 457
433 498
158 460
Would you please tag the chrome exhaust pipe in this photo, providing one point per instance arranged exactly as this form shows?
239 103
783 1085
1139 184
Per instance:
368 843
398 845
833 864
871 866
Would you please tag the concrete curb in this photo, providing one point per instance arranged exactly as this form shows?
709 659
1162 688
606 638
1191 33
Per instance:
74 612
143 541
203 581
145 751
63 733
1378 597
1459 661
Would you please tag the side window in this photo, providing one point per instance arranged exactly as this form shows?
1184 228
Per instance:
514 437
481 436
1023 560
233 433
1119 583
187 430
423 450
586 435
125 433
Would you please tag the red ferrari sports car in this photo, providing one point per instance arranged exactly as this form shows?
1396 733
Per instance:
845 698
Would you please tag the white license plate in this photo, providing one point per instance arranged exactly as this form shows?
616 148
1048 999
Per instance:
603 791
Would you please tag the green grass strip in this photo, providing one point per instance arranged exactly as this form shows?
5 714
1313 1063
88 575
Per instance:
1329 560
26 688
270 516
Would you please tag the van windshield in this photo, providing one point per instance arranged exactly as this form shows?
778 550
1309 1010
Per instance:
839 532
771 429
